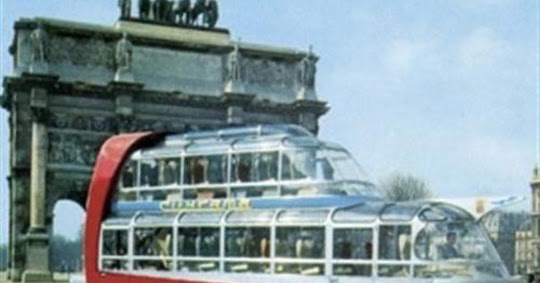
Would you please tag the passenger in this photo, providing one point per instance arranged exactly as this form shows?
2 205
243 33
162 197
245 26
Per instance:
248 245
265 247
305 245
198 169
448 250
244 169
128 176
369 250
170 173
162 244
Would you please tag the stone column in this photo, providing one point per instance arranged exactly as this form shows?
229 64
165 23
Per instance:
235 103
37 239
308 113
123 92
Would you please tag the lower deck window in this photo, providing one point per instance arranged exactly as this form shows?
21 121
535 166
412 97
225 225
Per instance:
198 266
153 241
197 241
245 267
114 264
305 242
247 242
153 264
394 270
363 270
300 268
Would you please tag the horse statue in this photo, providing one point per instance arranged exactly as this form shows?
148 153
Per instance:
169 14
212 14
160 10
184 12
144 9
198 8
209 10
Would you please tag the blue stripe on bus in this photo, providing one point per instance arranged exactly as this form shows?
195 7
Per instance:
127 208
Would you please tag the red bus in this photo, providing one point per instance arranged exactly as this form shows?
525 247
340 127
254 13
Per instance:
265 204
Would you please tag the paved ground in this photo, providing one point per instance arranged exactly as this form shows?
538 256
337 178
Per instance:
58 278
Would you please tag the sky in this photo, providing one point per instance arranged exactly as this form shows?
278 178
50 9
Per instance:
443 90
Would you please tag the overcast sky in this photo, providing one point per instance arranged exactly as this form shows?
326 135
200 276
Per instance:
444 90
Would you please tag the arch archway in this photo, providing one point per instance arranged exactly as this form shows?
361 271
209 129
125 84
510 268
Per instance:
66 237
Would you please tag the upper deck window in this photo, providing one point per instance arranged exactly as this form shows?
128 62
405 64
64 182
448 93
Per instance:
366 212
401 212
303 217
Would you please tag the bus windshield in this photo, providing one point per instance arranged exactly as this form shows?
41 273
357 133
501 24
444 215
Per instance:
456 249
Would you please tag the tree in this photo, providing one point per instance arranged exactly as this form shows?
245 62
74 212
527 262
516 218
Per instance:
66 254
404 187
3 257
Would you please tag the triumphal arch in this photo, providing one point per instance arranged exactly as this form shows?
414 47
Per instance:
74 84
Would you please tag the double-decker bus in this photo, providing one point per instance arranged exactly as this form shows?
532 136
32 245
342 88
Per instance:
265 204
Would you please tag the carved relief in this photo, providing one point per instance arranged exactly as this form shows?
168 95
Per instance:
82 52
79 122
269 73
73 149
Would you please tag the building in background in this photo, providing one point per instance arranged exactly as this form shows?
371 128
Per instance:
501 227
524 255
535 223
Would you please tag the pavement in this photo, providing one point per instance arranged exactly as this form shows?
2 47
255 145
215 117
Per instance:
58 278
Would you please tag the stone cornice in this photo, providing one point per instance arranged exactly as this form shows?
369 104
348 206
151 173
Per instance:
209 40
141 95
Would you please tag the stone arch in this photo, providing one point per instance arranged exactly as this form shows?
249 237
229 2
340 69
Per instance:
66 236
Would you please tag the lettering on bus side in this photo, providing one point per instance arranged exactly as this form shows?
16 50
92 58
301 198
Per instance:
205 204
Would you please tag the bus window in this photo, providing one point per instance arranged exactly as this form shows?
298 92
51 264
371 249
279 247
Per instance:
350 244
114 264
247 242
267 166
115 242
198 266
399 270
395 242
242 168
155 245
254 192
153 241
245 267
353 243
297 165
217 169
149 173
363 270
129 175
169 171
196 170
306 242
200 242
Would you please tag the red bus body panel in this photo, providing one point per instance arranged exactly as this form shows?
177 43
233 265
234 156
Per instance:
107 168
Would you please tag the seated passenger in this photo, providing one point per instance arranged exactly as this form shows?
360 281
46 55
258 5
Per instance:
198 169
162 244
305 245
448 249
244 170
